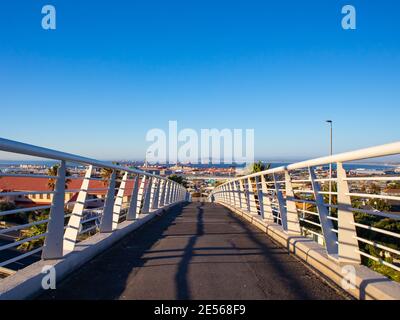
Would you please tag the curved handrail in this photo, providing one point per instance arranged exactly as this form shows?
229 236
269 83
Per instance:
286 201
32 150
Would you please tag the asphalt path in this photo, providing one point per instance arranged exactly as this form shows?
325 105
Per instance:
195 251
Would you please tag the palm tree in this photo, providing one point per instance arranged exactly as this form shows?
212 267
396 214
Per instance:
53 171
105 174
259 166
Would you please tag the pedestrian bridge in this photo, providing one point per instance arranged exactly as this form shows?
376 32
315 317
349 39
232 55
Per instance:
294 232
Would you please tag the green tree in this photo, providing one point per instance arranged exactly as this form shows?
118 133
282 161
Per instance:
259 166
178 179
35 230
53 171
11 218
106 173
393 185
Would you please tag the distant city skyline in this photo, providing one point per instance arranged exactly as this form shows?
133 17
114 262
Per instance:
112 71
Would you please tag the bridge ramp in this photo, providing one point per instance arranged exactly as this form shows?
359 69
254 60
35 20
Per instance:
195 251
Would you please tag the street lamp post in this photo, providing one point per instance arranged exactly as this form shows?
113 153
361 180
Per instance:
330 169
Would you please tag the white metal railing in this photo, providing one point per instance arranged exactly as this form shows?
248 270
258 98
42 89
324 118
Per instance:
61 228
349 227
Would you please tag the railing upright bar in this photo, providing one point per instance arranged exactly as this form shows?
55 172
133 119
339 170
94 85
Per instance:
154 203
281 203
233 194
246 194
162 195
118 202
107 217
167 192
326 224
133 205
260 196
348 244
252 198
74 223
243 201
293 222
147 196
53 244
142 191
236 187
268 215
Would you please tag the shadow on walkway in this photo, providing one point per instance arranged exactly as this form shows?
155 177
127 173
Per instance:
193 243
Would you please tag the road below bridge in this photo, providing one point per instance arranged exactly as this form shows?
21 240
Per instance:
195 251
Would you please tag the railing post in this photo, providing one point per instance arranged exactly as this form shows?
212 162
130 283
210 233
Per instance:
233 194
170 191
281 203
53 244
178 192
142 191
348 244
133 206
167 192
246 194
252 198
174 192
225 194
243 198
293 222
162 196
74 222
268 215
147 195
119 201
237 193
107 218
326 224
260 196
154 203
228 190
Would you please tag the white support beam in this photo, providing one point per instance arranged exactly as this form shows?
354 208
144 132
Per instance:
281 203
167 192
162 194
246 194
142 191
348 244
147 195
155 200
236 188
293 223
107 217
260 196
233 194
134 206
268 215
119 201
74 223
252 199
53 244
243 199
326 224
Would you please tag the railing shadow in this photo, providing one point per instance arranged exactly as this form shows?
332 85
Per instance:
105 277
182 287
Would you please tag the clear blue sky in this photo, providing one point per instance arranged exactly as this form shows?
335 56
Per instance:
114 69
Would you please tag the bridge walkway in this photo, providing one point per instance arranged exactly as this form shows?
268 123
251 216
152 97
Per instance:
195 251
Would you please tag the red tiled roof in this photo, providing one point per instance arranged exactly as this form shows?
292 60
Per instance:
40 184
